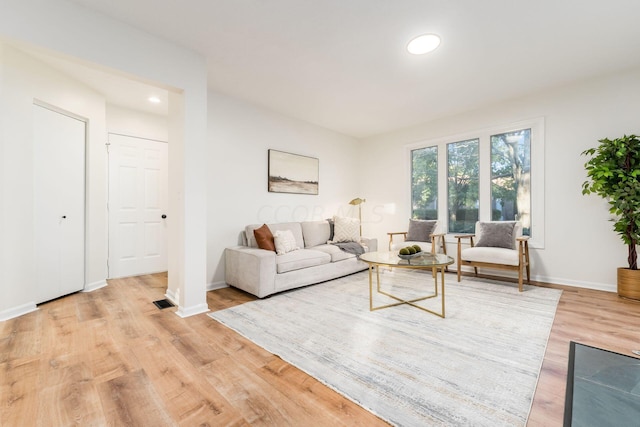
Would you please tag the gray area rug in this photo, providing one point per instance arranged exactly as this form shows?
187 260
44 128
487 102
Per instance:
479 366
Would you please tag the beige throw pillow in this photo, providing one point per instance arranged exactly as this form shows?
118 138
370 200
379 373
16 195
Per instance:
346 229
284 241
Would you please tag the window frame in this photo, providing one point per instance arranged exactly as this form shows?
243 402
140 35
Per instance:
537 126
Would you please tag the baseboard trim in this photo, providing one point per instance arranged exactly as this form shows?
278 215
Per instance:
95 285
193 310
172 296
212 286
18 311
606 287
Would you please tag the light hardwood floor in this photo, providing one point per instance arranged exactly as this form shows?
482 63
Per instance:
111 357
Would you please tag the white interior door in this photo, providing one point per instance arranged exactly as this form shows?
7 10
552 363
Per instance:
59 203
137 206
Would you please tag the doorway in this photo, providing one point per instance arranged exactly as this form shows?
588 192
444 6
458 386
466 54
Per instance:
138 182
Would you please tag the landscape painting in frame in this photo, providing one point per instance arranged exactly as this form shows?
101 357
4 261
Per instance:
292 173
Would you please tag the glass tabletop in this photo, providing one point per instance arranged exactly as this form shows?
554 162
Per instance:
426 259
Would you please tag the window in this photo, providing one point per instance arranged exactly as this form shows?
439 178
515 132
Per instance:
490 174
511 178
424 188
463 169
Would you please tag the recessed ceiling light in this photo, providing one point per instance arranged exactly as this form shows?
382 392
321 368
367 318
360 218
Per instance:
154 100
423 44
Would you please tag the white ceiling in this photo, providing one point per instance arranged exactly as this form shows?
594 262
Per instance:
342 64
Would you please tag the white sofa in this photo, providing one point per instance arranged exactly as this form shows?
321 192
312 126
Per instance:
261 272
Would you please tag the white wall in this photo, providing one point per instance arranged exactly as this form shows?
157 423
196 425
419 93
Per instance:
24 80
125 121
72 30
240 136
580 246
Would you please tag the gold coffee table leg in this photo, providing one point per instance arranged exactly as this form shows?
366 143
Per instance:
402 301
442 281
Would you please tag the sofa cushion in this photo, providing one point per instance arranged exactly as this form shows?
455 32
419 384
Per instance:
420 230
335 252
264 238
315 233
346 229
285 242
303 258
490 255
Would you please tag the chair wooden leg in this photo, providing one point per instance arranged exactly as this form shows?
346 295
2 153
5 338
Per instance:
520 279
526 255
459 259
444 251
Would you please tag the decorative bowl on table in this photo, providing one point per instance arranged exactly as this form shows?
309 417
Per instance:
410 256
409 252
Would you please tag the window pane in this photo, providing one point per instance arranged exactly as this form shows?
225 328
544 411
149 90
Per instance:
424 183
511 178
462 179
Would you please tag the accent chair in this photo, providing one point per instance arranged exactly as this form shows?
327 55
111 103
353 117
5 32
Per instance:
420 232
499 245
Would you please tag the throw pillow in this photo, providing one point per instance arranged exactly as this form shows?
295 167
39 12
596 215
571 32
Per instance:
331 228
346 229
285 242
264 238
420 230
496 234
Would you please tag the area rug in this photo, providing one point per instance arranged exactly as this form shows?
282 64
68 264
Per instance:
478 366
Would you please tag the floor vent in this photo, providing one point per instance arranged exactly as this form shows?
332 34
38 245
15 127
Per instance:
163 303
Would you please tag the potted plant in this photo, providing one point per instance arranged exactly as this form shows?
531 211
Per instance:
613 172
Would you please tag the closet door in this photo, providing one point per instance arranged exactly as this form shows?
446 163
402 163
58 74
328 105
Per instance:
59 203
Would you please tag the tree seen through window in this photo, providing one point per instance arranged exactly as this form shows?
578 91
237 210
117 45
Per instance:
511 178
424 183
463 172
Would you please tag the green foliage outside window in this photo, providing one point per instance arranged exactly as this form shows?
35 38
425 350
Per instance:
463 185
424 183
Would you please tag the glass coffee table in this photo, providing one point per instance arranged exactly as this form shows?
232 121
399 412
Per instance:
425 261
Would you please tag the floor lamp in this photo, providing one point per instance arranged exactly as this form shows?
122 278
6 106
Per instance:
358 202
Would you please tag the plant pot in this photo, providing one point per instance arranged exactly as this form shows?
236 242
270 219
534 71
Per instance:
629 283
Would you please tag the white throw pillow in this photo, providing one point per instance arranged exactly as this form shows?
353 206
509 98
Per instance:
346 229
284 241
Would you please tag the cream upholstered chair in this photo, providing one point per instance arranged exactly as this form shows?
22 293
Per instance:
421 232
498 244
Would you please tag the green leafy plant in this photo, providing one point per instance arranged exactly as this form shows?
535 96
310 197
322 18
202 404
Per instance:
613 172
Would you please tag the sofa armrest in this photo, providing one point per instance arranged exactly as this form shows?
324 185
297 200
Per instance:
371 244
251 269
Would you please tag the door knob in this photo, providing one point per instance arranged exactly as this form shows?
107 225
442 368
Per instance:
163 216
64 216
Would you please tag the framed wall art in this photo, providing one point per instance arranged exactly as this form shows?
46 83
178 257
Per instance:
293 173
